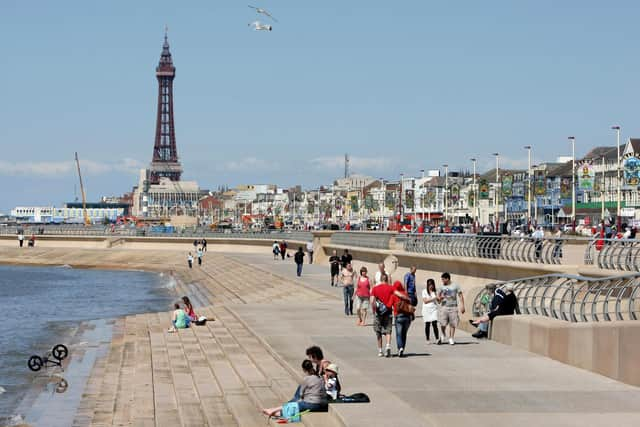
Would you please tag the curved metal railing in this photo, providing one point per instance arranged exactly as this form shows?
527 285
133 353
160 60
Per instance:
613 254
572 298
107 231
509 248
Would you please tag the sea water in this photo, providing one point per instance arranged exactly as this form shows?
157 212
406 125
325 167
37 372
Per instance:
41 306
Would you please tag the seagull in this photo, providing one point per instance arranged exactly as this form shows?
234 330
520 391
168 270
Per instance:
264 12
258 26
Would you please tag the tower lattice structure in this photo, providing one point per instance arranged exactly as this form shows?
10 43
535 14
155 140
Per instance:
165 154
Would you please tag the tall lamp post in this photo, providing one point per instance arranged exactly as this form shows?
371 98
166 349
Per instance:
528 148
382 205
495 194
602 192
475 196
421 196
446 191
572 140
401 203
619 185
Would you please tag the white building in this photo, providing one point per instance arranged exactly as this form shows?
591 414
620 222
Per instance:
165 199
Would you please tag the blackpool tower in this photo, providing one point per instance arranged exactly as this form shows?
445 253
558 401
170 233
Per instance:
165 154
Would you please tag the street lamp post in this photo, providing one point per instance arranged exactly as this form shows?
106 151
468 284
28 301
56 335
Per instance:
602 192
421 196
619 185
528 148
382 204
572 139
495 193
446 191
475 197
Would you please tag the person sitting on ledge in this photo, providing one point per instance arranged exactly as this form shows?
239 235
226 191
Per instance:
331 381
189 309
179 319
507 306
312 397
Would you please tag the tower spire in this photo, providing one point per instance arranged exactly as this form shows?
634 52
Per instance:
165 154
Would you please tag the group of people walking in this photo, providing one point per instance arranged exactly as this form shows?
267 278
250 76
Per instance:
395 302
200 247
31 241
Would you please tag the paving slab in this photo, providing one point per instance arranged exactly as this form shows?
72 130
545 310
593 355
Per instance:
471 383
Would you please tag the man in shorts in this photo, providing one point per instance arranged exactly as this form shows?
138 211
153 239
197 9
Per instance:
381 302
448 296
334 261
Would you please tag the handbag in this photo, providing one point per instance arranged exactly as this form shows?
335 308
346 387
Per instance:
291 412
405 307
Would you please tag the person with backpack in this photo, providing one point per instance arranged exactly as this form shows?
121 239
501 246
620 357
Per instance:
299 259
275 250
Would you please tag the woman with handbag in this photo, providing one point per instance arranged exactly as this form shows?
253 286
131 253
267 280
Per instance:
404 314
312 396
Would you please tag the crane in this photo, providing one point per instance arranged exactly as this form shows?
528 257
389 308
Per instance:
87 221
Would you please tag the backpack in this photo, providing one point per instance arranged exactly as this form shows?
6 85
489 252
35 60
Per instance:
381 309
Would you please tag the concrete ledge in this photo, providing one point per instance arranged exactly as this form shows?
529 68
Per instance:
607 348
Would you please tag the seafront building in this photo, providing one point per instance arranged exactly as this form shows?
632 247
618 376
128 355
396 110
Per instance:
541 194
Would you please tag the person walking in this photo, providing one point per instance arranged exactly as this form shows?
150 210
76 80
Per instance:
430 310
403 320
276 250
190 260
199 253
334 262
299 259
346 258
410 285
195 245
283 249
310 251
20 239
347 276
377 278
448 296
538 235
363 292
204 245
381 301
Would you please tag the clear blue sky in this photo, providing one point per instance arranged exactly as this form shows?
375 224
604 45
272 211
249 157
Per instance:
401 86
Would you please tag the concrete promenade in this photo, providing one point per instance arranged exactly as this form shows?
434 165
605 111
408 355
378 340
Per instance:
220 374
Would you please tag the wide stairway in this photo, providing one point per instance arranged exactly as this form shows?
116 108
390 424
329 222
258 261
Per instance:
219 374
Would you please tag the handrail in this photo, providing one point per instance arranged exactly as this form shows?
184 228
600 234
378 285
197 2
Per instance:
613 254
571 298
106 231
521 249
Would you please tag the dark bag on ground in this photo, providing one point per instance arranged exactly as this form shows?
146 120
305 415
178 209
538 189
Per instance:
201 321
352 398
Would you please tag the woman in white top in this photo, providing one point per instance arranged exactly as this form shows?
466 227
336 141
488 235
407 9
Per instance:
430 309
